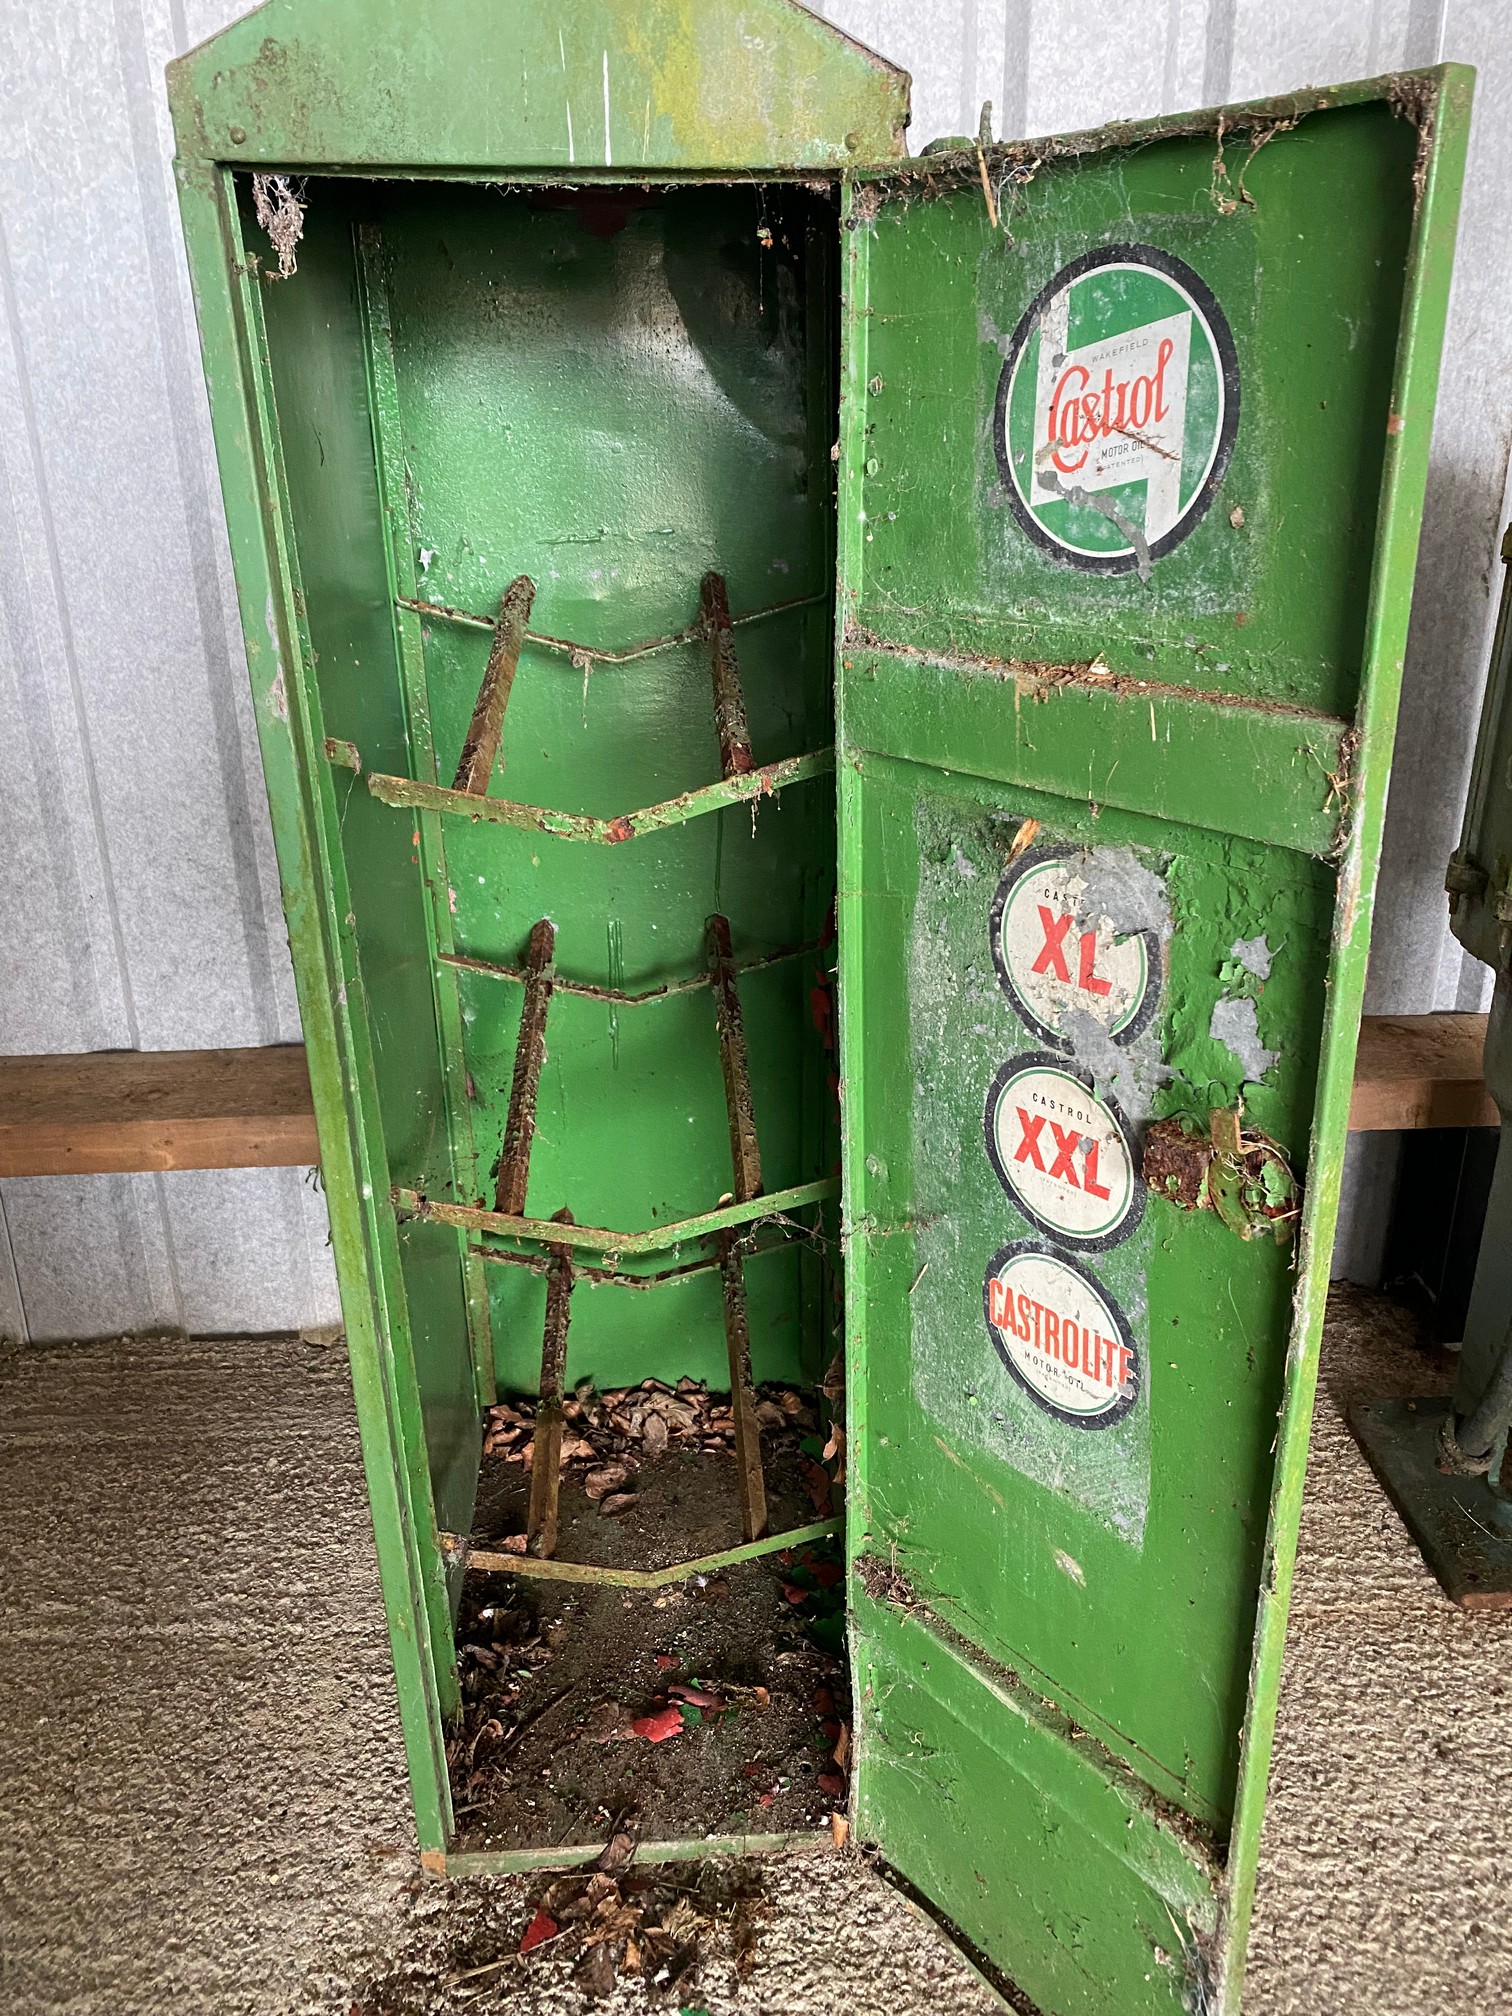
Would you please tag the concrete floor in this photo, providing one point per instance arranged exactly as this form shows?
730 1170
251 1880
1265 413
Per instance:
202 1797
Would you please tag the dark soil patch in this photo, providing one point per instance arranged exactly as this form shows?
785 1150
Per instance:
713 1706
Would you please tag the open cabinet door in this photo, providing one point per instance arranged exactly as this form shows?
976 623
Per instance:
1134 440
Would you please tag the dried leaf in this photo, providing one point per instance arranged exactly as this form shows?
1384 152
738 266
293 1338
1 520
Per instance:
654 1436
1022 840
615 1503
842 1748
816 1482
599 1483
565 1899
839 1829
618 1854
594 1973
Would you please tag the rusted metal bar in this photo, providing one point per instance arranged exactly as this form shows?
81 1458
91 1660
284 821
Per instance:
590 654
601 1277
480 749
546 1459
530 1054
745 1157
488 1562
749 1480
735 758
618 996
598 1238
745 1149
766 782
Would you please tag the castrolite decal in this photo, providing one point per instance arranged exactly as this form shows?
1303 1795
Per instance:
1061 1335
1117 409
1056 951
1061 1153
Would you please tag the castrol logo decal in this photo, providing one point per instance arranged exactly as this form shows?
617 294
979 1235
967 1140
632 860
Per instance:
1061 1335
1061 1152
1117 408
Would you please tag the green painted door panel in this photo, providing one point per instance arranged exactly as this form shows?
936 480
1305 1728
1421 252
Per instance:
1131 483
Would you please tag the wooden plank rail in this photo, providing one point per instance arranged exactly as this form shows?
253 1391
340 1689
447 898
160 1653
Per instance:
1416 1071
114 1110
110 1111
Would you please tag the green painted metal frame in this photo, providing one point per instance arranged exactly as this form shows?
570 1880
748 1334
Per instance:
529 1861
739 790
310 88
383 399
1343 824
1430 270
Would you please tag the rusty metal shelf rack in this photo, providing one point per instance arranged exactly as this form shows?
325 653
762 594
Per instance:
551 1246
742 779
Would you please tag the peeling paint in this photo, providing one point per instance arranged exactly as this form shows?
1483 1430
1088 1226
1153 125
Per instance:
1254 955
1236 1024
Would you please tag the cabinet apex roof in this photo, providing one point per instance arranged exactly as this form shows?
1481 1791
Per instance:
605 87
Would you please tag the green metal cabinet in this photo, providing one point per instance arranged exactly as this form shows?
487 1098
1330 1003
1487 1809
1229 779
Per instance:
591 328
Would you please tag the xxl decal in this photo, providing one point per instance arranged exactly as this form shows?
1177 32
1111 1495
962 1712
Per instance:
1062 1153
1116 409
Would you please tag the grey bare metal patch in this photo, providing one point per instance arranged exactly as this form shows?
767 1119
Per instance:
1236 1024
1254 955
1113 891
1090 501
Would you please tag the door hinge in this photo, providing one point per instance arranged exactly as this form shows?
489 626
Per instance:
1462 877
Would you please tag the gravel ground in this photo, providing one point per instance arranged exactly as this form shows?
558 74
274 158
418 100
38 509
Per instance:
202 1795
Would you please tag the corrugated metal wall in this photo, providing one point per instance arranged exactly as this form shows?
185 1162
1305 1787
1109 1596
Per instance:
138 897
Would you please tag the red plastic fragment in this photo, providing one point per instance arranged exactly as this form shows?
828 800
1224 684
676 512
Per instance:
696 1697
538 1931
657 1728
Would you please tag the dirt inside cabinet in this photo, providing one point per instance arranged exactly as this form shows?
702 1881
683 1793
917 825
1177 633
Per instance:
831 1098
